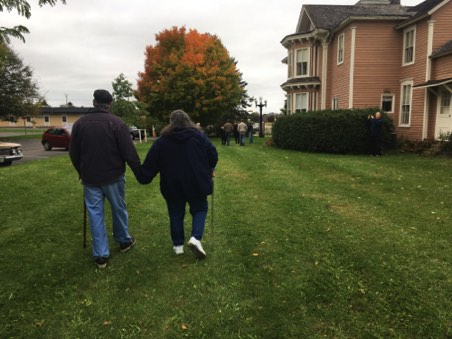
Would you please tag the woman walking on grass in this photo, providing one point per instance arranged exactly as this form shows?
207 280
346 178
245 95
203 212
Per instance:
185 159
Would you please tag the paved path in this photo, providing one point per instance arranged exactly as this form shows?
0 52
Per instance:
33 150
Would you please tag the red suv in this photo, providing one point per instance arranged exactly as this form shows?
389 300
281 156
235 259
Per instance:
56 137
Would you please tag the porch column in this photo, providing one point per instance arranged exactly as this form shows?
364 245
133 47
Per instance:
351 84
428 76
324 74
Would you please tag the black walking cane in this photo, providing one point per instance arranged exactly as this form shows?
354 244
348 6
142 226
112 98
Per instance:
84 220
213 190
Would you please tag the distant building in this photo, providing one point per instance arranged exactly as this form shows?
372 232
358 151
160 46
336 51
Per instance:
376 53
50 116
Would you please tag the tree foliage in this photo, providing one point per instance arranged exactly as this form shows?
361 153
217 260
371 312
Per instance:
191 71
133 112
18 90
23 8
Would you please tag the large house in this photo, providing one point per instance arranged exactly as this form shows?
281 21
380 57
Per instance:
376 53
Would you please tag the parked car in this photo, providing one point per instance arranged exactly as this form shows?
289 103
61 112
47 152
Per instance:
135 133
10 152
56 137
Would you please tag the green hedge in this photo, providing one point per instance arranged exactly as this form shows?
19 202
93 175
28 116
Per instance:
339 131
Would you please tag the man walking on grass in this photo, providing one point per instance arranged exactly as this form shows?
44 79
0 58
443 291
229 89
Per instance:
100 147
242 128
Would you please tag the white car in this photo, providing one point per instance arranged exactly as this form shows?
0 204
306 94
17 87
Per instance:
10 152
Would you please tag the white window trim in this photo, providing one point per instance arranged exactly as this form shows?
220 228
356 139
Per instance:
440 102
406 83
339 47
289 103
412 28
295 102
295 62
393 101
290 64
335 104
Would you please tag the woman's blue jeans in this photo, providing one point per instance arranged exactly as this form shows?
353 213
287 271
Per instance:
176 211
94 200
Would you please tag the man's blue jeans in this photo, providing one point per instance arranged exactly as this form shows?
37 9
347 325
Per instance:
228 137
242 139
94 200
176 211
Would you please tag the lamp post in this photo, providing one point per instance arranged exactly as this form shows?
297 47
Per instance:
261 104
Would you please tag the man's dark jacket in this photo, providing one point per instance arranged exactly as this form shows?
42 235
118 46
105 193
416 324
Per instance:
100 147
185 159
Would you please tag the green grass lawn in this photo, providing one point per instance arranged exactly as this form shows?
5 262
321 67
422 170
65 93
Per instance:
302 246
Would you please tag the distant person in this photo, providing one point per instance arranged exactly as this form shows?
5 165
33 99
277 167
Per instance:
375 134
185 159
222 135
228 130
99 149
242 128
236 133
250 132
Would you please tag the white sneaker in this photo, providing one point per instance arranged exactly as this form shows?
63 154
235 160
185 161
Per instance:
196 247
178 249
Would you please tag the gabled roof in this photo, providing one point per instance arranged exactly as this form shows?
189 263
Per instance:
445 49
332 17
422 10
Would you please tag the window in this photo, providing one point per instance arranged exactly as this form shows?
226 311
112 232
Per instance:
387 103
289 103
301 102
289 64
445 102
340 48
28 119
46 120
302 62
64 119
405 110
335 104
408 46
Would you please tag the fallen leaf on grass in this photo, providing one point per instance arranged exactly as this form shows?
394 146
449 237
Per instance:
184 327
39 323
255 254
106 323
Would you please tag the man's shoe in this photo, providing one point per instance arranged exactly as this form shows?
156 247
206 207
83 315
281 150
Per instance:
178 249
127 246
196 247
101 262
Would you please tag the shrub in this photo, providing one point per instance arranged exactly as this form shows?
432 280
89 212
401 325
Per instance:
446 142
340 131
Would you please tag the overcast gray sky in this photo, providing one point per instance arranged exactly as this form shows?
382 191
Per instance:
86 44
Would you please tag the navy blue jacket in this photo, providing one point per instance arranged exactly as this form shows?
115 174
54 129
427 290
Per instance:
100 147
185 159
375 127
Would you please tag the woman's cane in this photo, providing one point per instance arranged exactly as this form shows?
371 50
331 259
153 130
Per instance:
213 190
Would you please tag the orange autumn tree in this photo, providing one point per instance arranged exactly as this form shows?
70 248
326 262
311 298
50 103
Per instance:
193 72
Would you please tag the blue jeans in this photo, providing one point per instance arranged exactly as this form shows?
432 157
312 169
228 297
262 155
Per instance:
242 139
228 137
176 211
94 200
250 136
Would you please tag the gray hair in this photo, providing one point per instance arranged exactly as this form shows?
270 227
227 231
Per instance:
178 119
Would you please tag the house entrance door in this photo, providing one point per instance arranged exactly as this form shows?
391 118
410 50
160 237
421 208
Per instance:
444 114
